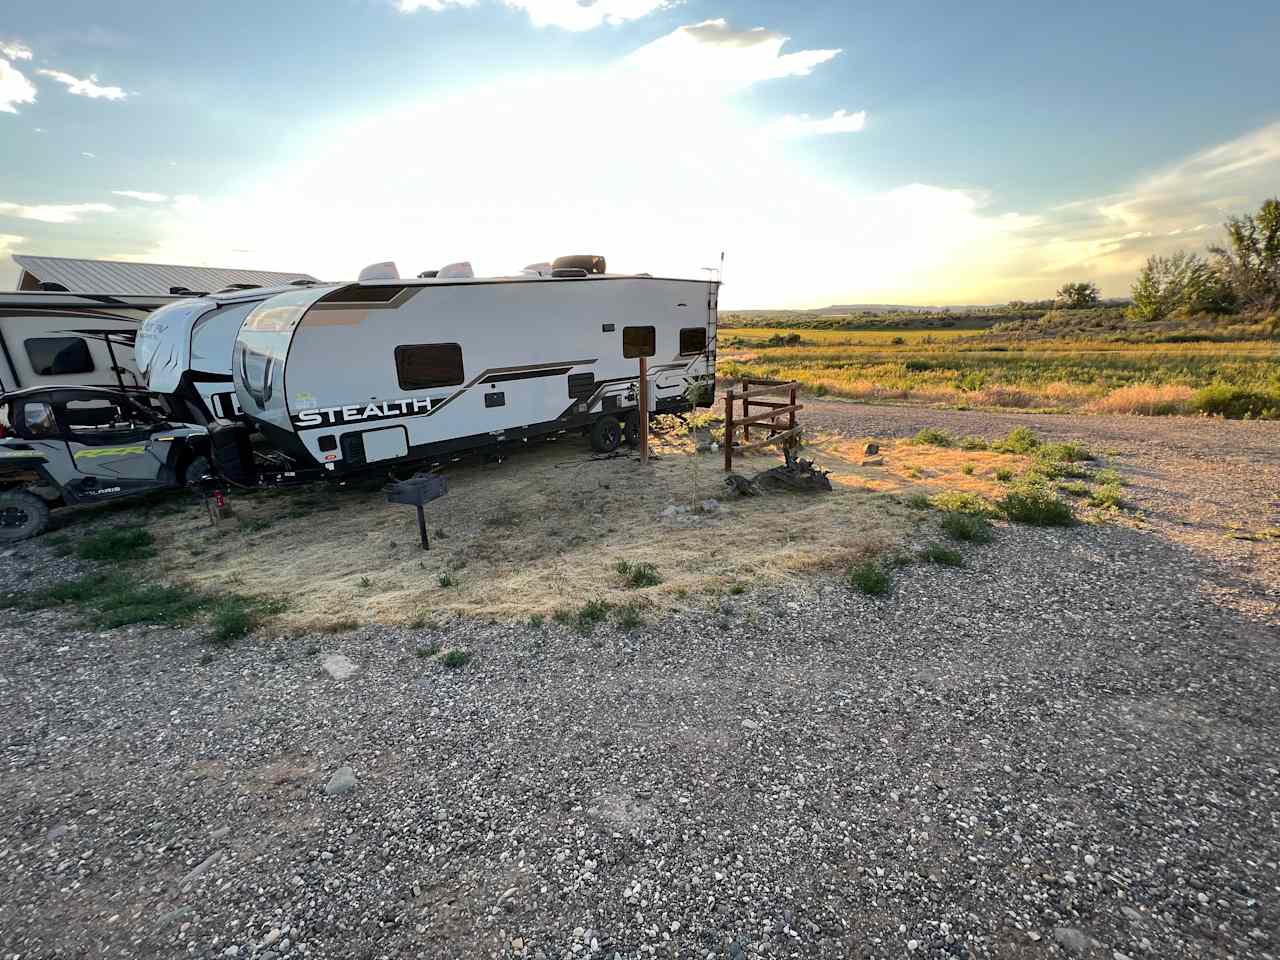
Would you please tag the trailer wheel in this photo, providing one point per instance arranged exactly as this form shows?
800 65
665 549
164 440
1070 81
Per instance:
606 434
631 429
23 515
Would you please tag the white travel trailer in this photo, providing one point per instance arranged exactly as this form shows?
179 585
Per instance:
51 338
184 350
377 373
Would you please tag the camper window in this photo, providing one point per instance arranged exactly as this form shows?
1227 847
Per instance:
693 340
420 366
639 342
59 356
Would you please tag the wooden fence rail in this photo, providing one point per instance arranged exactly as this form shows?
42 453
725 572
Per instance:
778 418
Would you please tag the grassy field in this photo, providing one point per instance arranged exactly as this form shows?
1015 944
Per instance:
1010 369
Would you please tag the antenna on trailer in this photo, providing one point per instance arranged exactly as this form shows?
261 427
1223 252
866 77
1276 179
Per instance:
716 274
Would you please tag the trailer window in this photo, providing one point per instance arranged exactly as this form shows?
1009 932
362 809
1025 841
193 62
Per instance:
421 366
693 340
59 356
639 342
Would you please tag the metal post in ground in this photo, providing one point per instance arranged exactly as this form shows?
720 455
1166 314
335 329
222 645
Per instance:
644 411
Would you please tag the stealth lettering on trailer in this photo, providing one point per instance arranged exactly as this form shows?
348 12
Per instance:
359 413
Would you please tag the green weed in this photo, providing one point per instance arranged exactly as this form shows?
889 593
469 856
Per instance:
960 501
943 556
638 575
1036 504
1021 441
930 437
870 578
971 528
117 544
455 657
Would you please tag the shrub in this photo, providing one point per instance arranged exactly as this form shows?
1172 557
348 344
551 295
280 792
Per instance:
629 616
943 556
1075 488
968 469
1108 496
930 437
638 575
455 657
1036 504
446 580
1064 453
967 527
116 544
870 578
958 501
585 617
919 501
1022 440
236 616
1234 403
1004 474
1110 476
917 366
973 443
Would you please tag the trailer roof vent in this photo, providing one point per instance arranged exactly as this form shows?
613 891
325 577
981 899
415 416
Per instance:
187 292
456 271
51 287
565 273
380 271
537 270
428 274
588 262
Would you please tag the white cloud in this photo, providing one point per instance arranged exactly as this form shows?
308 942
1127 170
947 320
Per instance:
710 59
435 6
578 15
87 87
676 170
142 195
565 14
804 125
15 88
53 212
14 50
87 155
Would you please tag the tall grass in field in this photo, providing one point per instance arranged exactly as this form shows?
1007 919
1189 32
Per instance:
960 367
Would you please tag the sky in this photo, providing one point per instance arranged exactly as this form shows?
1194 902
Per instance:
835 152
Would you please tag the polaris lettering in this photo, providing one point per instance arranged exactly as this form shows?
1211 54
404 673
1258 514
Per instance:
359 413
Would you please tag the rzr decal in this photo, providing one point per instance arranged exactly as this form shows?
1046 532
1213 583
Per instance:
109 452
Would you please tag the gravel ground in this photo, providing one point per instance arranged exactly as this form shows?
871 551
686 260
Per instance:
1069 747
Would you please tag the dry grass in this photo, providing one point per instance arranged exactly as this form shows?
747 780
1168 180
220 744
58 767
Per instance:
1146 399
568 520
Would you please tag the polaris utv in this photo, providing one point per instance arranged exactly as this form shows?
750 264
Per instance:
71 445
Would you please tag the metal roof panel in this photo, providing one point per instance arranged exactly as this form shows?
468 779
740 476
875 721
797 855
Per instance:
126 277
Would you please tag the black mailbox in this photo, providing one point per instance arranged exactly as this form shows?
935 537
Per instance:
418 492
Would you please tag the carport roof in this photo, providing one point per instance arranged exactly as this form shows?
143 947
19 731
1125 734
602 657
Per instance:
125 277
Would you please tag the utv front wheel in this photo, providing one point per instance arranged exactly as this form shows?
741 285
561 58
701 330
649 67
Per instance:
22 516
606 434
196 471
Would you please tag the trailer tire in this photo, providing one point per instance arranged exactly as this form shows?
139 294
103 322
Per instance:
631 429
23 515
606 434
197 469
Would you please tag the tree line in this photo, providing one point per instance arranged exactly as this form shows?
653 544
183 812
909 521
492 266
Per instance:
1241 275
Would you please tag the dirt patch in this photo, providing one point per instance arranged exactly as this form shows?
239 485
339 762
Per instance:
546 529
